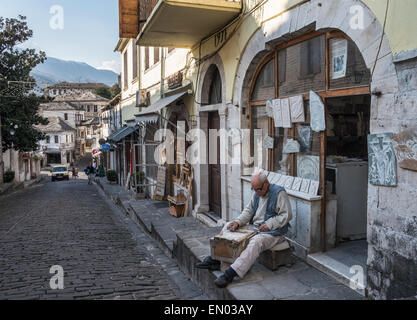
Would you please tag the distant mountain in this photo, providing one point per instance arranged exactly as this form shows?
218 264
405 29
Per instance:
56 70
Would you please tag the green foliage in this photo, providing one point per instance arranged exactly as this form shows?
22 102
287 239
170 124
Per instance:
115 90
111 175
103 92
18 106
9 176
101 172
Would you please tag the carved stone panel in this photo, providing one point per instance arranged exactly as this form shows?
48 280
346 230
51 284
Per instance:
317 121
297 109
308 167
382 160
291 146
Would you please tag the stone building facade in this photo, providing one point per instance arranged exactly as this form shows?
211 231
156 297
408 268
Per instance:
230 63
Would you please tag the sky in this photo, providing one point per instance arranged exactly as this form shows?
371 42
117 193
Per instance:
77 30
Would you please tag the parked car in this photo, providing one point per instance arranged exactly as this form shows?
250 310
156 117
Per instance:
60 172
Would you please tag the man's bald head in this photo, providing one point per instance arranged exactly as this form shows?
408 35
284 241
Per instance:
259 177
260 183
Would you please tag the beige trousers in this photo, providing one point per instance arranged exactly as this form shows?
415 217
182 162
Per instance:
256 245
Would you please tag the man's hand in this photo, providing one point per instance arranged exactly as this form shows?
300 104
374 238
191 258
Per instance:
233 226
264 228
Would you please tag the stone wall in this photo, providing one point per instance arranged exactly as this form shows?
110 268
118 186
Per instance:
392 212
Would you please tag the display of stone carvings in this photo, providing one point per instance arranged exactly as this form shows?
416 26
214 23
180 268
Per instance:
405 146
268 142
277 110
382 160
314 188
305 185
297 109
289 182
270 108
291 146
317 121
286 113
296 186
305 134
308 167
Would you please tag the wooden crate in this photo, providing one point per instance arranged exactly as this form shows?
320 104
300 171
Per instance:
280 255
227 246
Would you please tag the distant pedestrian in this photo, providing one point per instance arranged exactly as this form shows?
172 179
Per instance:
89 171
95 166
75 172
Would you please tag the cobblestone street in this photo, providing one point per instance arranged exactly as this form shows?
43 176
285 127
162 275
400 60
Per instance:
70 224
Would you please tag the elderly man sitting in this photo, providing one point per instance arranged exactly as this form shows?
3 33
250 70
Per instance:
269 211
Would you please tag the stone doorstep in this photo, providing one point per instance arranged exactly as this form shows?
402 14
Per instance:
335 269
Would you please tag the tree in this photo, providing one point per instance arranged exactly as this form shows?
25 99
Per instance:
18 104
115 90
103 92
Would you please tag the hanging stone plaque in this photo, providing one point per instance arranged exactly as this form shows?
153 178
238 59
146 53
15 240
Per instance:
286 113
305 133
291 146
277 113
405 146
297 109
308 167
270 109
382 160
317 121
268 142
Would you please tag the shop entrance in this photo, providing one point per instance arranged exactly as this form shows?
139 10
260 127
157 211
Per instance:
53 158
347 184
215 170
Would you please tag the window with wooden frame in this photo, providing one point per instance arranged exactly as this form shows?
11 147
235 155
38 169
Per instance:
156 56
135 60
328 63
125 62
146 57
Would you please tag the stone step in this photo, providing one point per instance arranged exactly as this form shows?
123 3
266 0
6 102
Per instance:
336 270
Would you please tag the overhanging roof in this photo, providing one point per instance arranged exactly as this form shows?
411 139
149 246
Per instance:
183 23
158 106
128 18
122 133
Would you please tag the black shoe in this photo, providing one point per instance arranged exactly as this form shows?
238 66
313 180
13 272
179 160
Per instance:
223 281
208 263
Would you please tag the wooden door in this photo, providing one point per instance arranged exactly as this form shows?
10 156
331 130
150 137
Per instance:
215 202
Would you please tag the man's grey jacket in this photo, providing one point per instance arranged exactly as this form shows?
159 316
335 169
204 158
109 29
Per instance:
273 209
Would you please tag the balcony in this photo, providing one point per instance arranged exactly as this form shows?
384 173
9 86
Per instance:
176 23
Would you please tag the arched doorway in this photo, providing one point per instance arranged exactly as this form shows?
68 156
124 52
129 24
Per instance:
331 65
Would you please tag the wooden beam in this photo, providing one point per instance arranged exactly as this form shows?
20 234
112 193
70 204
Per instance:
128 18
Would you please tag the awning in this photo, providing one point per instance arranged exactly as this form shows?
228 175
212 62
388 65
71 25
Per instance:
183 23
122 133
52 151
151 113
